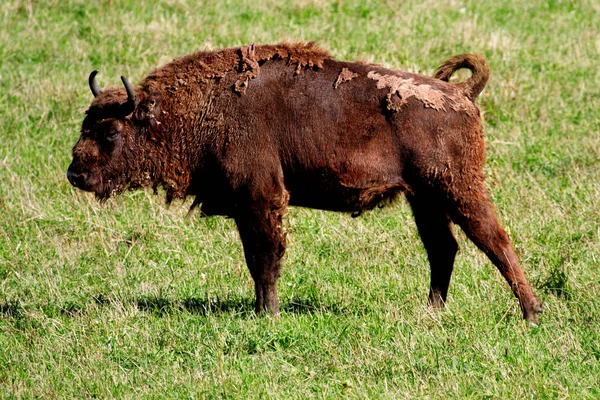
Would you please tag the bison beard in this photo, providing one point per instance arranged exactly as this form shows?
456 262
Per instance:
251 130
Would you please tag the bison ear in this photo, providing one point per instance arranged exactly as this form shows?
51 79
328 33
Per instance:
148 110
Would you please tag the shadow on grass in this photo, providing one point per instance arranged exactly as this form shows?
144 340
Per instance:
214 305
206 306
200 306
557 283
10 309
312 306
161 306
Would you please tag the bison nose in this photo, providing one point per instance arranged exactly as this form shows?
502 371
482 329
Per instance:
77 180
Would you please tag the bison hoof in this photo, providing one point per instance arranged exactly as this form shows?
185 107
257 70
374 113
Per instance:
436 300
532 315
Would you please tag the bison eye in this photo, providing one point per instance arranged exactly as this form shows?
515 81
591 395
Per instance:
112 134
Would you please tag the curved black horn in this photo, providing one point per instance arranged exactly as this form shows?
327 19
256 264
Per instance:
132 102
93 84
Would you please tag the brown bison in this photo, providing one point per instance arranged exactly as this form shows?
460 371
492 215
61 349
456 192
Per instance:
248 131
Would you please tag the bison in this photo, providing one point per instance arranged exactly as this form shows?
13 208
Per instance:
249 131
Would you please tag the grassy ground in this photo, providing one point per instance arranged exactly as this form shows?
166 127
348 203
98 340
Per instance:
131 299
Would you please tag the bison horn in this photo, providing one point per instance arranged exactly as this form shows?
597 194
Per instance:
93 84
132 102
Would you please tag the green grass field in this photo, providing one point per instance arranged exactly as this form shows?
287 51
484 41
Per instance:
130 299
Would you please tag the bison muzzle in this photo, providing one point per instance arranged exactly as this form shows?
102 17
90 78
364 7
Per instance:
248 131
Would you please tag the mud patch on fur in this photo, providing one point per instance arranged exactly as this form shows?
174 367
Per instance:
301 54
248 66
203 66
402 89
344 76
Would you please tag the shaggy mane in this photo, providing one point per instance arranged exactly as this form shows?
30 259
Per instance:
246 60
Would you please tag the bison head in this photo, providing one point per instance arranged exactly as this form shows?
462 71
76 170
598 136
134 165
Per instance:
103 156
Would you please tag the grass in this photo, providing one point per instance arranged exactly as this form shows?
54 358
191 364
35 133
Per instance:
132 300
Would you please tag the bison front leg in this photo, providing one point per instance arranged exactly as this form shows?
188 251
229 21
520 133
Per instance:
263 238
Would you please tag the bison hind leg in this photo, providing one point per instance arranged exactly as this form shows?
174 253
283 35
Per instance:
475 215
435 229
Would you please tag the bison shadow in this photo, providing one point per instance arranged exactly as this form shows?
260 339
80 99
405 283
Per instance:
240 306
161 305
10 309
195 305
209 305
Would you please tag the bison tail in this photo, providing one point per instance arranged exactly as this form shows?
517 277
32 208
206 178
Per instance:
478 66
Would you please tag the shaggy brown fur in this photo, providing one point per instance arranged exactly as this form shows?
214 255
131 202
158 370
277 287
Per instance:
250 130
